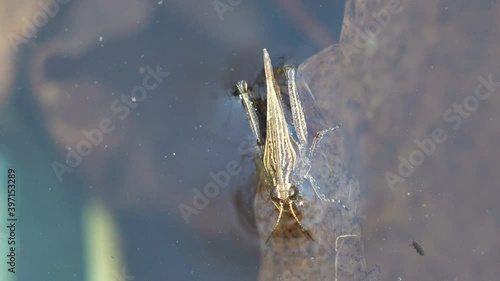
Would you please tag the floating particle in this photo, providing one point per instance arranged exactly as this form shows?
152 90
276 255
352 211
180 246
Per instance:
417 247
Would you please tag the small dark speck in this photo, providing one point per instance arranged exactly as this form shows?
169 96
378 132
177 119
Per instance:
417 247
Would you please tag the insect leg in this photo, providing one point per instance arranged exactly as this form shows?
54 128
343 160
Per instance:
242 87
321 196
298 114
319 136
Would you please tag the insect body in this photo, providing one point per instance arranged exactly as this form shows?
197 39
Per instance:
417 247
286 160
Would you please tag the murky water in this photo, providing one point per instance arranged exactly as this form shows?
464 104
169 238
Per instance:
135 162
421 112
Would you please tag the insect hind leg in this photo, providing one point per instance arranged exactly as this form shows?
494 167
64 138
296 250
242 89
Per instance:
245 94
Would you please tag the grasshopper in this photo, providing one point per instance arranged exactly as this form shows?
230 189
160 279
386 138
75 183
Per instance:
286 160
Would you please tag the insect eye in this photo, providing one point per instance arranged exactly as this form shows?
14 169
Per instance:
293 192
274 195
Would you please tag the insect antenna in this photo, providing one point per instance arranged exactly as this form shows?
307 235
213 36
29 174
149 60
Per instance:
277 222
301 226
